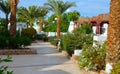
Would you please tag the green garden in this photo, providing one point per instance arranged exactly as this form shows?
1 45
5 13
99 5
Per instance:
91 59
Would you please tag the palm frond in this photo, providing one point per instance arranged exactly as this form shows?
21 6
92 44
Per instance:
5 7
58 6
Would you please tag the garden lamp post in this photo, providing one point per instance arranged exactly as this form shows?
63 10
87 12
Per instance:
55 25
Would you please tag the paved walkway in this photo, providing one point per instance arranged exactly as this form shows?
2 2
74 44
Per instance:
47 61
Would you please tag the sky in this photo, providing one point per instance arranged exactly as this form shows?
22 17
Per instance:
87 8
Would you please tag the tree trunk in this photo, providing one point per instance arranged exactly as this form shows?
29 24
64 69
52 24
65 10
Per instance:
41 25
58 27
13 6
113 40
31 24
6 22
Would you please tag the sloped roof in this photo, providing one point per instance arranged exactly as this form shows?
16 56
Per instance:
99 18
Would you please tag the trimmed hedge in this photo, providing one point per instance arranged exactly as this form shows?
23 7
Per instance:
18 42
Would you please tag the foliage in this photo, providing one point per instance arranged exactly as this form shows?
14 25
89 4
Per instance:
53 40
65 21
59 7
74 15
85 29
70 42
3 41
42 37
2 22
29 32
27 14
116 68
50 28
4 32
5 8
52 18
92 58
4 69
18 42
42 11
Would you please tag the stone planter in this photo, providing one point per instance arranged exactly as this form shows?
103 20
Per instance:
17 52
77 52
76 55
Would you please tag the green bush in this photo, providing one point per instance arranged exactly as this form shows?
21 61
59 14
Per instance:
39 37
4 32
116 68
29 32
44 37
84 29
53 40
74 41
18 42
81 36
92 58
3 41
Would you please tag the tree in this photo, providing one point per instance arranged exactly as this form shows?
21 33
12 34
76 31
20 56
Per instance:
5 8
42 11
74 15
113 39
13 6
59 7
28 14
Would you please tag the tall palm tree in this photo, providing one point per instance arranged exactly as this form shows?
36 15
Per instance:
59 7
42 12
13 6
28 14
5 8
113 40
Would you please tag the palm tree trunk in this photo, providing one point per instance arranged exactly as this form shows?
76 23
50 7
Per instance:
13 6
58 27
31 24
41 25
6 22
113 40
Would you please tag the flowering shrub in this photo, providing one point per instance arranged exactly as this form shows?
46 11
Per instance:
92 58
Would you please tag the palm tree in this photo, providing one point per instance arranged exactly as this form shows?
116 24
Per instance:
59 7
113 40
13 6
28 14
42 12
5 8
